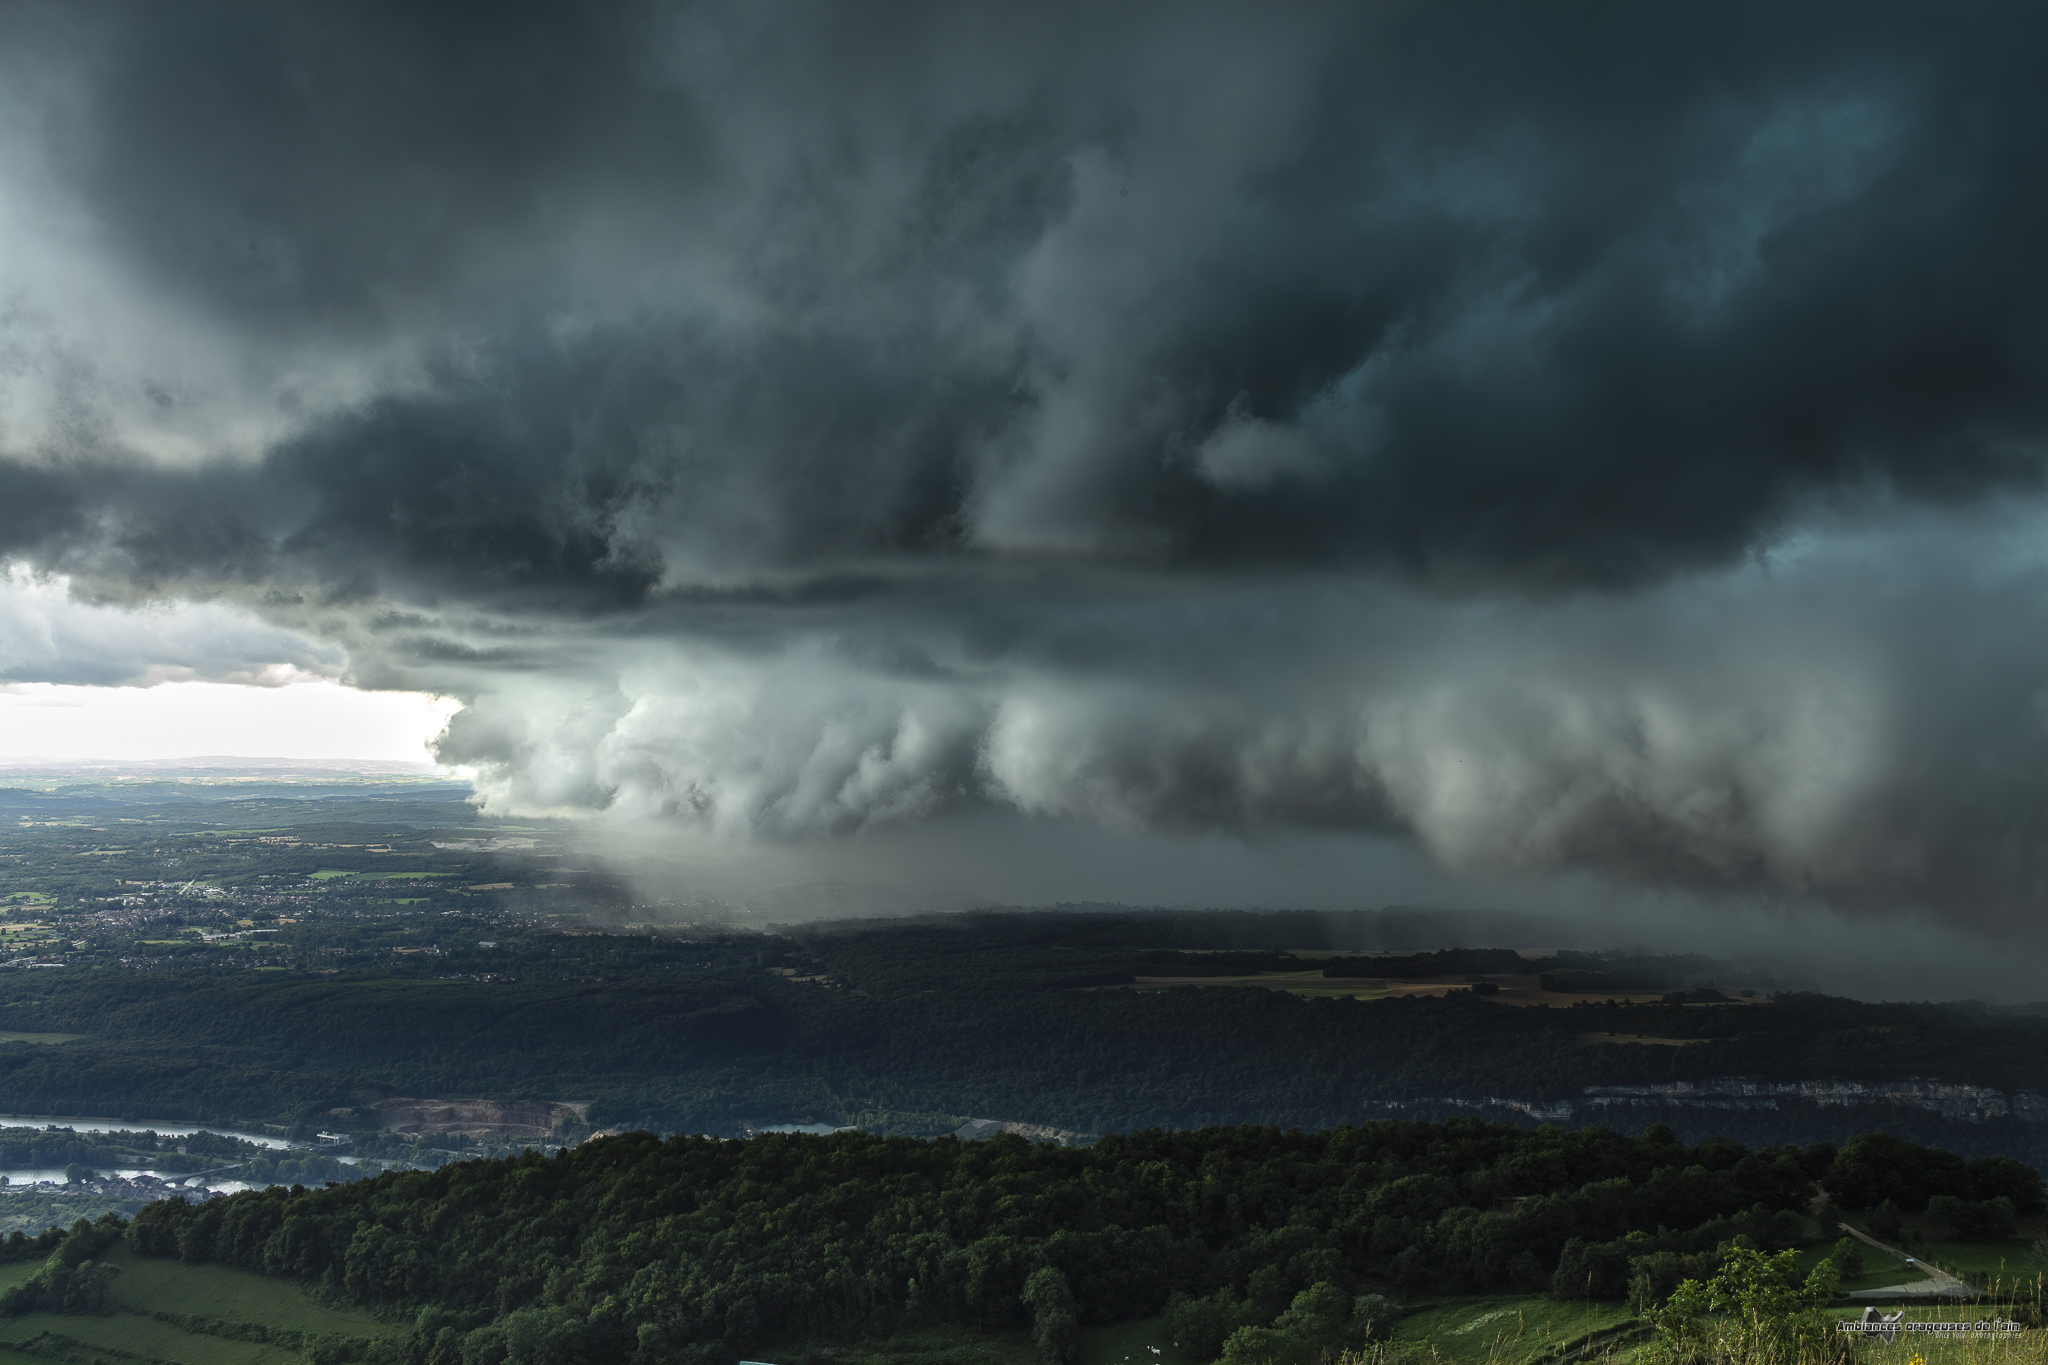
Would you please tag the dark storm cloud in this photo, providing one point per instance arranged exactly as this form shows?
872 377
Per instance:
1487 294
795 419
1821 724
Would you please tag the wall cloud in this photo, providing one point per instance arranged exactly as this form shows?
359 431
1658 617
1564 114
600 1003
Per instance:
1605 437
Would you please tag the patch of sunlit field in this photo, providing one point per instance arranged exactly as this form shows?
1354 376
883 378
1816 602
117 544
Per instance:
2028 1347
1508 990
149 1285
125 1335
1621 1348
934 1345
1298 983
1509 1331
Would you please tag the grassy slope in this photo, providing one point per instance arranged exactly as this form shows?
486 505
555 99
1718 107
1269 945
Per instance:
1504 1330
2025 1349
925 1346
1518 1330
149 1284
2009 1265
145 1337
1134 1342
2008 1262
1119 1343
1461 1331
1879 1270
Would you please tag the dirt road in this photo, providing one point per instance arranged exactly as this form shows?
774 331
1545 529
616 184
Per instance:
1939 1284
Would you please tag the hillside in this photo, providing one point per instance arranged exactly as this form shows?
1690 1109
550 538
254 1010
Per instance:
704 1250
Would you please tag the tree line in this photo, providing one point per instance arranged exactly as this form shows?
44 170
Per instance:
687 1249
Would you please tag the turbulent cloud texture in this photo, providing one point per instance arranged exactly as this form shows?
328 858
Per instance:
1816 721
1605 435
49 636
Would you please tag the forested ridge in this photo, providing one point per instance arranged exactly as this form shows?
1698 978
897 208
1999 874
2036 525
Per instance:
696 1250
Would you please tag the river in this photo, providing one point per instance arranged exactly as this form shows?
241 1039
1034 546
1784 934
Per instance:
161 1127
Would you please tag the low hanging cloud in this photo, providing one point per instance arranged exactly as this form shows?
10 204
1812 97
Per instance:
47 635
1598 438
1833 722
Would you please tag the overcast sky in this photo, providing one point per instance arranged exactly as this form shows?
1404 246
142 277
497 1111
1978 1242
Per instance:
1529 441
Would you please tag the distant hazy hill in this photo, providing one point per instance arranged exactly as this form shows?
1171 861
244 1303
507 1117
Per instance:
216 766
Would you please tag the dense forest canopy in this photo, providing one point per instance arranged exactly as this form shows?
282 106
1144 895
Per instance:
699 1250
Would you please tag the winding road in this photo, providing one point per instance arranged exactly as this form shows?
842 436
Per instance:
1939 1284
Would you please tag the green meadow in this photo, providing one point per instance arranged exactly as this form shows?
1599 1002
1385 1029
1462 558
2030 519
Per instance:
1140 1342
1505 1331
1462 1331
941 1345
150 1285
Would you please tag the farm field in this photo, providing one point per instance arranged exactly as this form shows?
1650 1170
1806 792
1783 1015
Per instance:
1311 983
148 1285
2006 1263
139 1336
1512 990
1143 1341
153 1283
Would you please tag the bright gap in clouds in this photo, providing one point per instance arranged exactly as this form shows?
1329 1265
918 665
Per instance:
307 719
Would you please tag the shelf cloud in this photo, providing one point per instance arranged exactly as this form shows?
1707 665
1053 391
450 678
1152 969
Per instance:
1606 437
